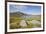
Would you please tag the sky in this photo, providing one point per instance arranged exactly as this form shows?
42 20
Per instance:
29 9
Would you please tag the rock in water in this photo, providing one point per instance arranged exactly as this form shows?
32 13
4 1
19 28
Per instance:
23 23
35 22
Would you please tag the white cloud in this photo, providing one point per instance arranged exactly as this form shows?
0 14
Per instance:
20 7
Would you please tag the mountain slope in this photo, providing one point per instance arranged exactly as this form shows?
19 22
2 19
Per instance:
17 14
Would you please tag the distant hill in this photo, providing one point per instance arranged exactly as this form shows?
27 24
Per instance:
23 15
17 14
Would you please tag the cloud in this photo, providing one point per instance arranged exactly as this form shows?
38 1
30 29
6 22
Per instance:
20 7
35 10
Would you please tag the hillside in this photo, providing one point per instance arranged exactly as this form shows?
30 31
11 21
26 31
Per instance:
17 14
23 15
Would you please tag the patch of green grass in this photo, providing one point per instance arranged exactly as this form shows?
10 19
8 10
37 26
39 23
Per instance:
14 26
14 22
